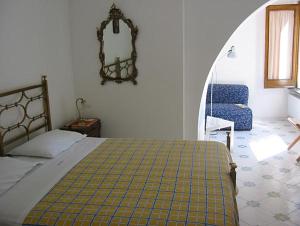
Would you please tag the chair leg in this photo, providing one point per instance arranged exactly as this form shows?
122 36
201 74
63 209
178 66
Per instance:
294 142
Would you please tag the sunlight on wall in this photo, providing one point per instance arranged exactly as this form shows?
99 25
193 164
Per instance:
267 147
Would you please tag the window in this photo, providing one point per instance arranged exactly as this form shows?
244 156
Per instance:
282 44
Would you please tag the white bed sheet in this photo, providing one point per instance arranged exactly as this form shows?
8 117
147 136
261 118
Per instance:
32 159
19 200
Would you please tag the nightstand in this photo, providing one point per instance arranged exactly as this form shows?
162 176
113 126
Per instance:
90 127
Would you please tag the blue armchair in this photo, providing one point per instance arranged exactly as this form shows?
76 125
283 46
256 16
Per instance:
230 102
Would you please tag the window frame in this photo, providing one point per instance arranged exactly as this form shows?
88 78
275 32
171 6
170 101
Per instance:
281 83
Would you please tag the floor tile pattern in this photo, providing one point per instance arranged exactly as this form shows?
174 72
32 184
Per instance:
268 176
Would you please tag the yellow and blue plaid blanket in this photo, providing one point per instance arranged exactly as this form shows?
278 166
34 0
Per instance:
143 182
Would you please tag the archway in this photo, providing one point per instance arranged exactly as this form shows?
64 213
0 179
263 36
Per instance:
246 26
207 25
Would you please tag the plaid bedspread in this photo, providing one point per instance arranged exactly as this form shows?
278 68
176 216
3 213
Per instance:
143 182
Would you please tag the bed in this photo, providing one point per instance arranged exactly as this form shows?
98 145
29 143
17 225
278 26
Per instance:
120 181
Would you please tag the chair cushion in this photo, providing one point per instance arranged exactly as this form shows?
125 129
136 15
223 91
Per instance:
242 117
227 94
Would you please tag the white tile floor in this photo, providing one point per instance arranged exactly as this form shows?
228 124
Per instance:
268 175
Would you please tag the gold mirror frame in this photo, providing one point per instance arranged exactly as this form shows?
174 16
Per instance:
116 14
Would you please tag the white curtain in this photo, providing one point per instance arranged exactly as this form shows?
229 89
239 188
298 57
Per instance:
281 25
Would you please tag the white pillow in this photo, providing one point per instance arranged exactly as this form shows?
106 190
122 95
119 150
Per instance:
48 144
12 170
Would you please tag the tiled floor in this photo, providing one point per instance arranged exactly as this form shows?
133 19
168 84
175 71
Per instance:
268 174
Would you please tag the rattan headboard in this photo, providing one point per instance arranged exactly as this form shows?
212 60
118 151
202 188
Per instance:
25 123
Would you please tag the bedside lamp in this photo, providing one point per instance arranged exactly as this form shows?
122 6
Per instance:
81 101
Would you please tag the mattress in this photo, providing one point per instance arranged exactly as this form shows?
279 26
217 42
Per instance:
142 182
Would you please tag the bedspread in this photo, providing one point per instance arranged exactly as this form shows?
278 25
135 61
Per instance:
143 182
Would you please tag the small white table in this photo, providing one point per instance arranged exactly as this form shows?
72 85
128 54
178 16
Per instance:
214 123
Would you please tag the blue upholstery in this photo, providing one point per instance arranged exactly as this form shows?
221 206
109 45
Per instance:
227 93
224 100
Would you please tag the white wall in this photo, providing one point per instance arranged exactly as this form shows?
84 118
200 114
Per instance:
294 105
177 44
117 45
35 40
153 108
248 67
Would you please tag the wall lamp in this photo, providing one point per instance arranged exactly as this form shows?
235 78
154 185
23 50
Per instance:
231 52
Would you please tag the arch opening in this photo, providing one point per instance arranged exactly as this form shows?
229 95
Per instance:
246 68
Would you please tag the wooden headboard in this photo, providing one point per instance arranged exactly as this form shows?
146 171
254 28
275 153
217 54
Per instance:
22 104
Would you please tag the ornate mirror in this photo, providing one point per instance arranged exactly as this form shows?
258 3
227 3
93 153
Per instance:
117 54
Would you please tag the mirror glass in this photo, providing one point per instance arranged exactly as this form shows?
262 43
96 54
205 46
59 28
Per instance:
116 45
